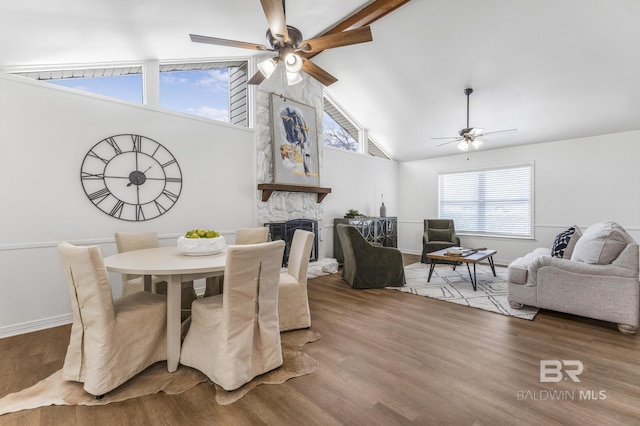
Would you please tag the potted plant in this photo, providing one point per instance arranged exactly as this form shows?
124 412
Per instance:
352 213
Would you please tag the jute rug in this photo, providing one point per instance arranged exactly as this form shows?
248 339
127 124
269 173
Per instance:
54 390
455 287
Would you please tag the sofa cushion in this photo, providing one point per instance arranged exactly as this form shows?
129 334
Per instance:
439 234
561 242
600 244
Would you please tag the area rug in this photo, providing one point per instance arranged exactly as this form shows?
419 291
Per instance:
54 390
455 287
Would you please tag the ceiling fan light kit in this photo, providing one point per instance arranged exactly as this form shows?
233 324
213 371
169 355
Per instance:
293 62
293 78
267 67
469 135
287 42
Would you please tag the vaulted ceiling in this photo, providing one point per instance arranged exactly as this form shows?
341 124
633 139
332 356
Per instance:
553 69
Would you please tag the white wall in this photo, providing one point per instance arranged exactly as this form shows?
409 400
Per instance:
46 132
580 181
356 182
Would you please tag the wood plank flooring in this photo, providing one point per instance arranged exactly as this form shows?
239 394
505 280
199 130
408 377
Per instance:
386 358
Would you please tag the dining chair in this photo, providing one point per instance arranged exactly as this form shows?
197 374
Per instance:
252 235
293 300
111 341
128 241
235 336
214 285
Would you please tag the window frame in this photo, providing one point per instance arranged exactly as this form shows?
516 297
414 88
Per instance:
150 72
367 144
492 234
237 83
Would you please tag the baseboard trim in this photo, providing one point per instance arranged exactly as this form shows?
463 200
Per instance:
37 325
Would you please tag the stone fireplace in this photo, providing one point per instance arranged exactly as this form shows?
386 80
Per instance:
283 206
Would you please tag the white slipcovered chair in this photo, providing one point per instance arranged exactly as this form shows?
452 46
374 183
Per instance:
252 235
234 336
293 301
129 241
110 341
244 236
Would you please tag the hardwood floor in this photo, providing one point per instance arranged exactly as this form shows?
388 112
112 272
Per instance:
386 358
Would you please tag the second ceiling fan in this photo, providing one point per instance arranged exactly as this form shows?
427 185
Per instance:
290 48
470 135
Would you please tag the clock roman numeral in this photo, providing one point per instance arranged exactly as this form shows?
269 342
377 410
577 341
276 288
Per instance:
174 179
94 155
99 195
111 141
168 163
117 209
92 176
139 213
160 207
137 142
170 195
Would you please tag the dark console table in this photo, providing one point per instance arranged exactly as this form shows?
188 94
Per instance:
381 231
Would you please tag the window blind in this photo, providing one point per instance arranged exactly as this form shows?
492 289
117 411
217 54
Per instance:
496 201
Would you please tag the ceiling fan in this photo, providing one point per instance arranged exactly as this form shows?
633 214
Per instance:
470 135
290 48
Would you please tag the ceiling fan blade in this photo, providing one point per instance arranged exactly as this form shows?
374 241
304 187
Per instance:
498 131
448 137
318 73
274 11
346 38
224 42
447 143
257 78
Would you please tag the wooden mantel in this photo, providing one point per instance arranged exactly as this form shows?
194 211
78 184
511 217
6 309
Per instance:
268 188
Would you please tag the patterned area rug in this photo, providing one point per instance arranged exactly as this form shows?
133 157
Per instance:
455 286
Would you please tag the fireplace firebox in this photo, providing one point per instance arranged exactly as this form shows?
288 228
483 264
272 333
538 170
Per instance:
284 231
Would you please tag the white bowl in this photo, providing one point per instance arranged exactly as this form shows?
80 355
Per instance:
200 246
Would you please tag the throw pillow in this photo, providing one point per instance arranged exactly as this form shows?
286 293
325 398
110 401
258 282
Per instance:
561 242
572 243
439 234
600 244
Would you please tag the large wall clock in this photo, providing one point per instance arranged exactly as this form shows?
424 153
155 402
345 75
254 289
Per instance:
131 177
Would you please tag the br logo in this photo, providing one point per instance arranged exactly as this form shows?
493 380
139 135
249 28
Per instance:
551 370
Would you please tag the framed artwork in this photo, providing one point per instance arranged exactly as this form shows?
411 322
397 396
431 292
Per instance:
295 142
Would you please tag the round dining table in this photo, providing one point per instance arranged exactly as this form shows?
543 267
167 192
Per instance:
175 268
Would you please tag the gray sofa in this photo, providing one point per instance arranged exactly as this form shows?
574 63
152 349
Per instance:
592 274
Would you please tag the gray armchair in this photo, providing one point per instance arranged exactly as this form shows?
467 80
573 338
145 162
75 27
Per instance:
438 234
366 265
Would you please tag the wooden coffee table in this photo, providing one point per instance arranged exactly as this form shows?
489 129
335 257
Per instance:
473 258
